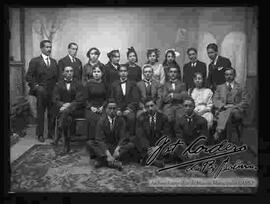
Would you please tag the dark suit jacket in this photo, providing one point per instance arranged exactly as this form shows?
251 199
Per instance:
188 133
216 73
74 95
156 92
130 100
107 139
77 67
189 71
178 93
239 95
39 74
144 138
111 74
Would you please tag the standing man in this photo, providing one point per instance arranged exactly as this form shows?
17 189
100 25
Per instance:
192 67
72 61
41 76
216 68
68 99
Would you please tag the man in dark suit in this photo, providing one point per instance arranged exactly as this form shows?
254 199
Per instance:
151 125
72 61
192 67
68 102
216 68
111 144
126 95
41 76
149 87
189 127
230 101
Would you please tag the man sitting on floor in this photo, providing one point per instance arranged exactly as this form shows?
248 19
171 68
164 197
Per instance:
111 144
68 102
230 101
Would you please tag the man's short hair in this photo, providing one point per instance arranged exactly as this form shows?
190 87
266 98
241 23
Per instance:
66 67
42 43
191 48
188 98
123 65
110 100
147 66
148 99
212 46
230 68
72 43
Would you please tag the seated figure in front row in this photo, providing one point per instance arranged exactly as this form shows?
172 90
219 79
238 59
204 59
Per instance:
230 101
151 126
189 127
112 143
68 99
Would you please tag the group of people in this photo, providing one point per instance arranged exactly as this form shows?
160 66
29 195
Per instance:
128 107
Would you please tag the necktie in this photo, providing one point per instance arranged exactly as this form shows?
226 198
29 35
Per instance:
111 124
47 62
229 87
148 88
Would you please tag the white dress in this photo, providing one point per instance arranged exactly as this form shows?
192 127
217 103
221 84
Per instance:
203 101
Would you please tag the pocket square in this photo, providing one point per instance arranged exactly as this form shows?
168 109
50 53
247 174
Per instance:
220 68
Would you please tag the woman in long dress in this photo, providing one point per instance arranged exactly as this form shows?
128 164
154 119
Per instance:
203 98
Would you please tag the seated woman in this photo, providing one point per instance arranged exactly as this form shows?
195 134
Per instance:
159 74
95 94
93 55
203 98
169 61
134 71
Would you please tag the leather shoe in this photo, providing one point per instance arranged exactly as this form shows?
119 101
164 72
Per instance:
41 138
116 165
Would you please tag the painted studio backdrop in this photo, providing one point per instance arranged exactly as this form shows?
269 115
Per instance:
233 29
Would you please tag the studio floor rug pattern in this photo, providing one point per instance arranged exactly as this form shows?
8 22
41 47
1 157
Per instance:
43 169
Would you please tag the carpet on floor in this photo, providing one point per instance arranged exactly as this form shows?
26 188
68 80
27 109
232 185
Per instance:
42 168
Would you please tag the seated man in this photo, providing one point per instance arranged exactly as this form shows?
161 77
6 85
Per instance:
230 101
68 101
173 92
149 87
189 127
151 125
126 95
111 144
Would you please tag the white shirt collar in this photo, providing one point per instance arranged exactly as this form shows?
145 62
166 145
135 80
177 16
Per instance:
215 61
232 84
115 66
70 57
110 119
44 57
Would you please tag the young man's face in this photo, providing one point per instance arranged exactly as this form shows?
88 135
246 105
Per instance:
132 57
229 75
68 73
47 48
212 54
93 55
188 106
148 73
123 73
192 55
73 50
151 107
116 58
173 73
111 110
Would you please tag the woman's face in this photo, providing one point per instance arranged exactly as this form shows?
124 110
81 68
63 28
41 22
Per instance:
152 57
93 56
115 58
132 57
198 80
97 74
170 57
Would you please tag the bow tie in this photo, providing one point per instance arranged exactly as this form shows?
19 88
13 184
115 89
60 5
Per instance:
67 81
122 82
173 82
